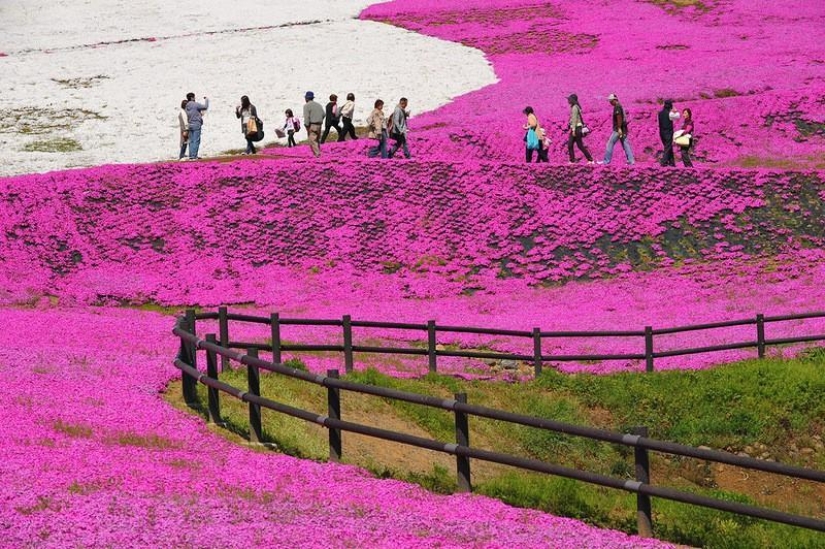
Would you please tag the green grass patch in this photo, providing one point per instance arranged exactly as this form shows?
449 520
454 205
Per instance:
80 82
42 121
794 163
673 6
73 430
725 92
56 145
767 403
153 441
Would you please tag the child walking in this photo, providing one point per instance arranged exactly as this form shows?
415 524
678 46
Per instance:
292 125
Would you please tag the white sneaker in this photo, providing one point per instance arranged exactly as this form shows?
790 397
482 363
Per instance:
601 162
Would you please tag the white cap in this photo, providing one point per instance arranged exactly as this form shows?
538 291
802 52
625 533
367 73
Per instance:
611 97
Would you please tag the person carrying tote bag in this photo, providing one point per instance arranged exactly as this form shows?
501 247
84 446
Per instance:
248 114
684 137
534 137
578 129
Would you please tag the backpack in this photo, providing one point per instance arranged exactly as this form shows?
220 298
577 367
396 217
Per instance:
390 126
296 124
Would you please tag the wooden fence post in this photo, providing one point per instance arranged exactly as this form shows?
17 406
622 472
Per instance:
191 358
348 357
431 344
462 438
191 320
537 351
648 348
223 333
253 381
275 324
213 401
760 335
334 412
186 380
644 517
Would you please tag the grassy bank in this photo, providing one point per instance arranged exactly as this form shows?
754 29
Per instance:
768 409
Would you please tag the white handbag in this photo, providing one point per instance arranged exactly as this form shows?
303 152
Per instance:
682 139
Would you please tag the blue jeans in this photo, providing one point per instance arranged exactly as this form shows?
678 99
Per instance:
380 148
608 155
183 149
400 143
250 147
194 142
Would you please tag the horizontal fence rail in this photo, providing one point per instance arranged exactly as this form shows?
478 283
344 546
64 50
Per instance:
186 361
647 351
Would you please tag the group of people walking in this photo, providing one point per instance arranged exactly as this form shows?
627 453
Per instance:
537 141
315 116
380 127
383 128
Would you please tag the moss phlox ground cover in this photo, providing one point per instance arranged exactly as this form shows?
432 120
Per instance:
245 231
463 234
753 92
105 462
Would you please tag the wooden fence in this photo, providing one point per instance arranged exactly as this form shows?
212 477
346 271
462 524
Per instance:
213 347
647 349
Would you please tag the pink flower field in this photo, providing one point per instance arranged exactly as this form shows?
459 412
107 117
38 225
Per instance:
463 233
91 458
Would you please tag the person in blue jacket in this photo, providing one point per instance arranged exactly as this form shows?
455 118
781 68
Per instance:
194 111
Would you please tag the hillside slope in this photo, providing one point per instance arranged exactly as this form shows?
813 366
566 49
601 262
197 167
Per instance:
236 232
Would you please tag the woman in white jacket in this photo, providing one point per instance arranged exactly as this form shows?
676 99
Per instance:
347 112
183 122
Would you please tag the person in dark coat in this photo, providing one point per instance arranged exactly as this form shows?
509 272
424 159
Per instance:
666 117
332 118
246 111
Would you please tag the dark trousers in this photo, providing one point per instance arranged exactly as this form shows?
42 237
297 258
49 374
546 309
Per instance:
400 143
577 139
541 156
250 147
686 157
348 129
667 151
327 128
